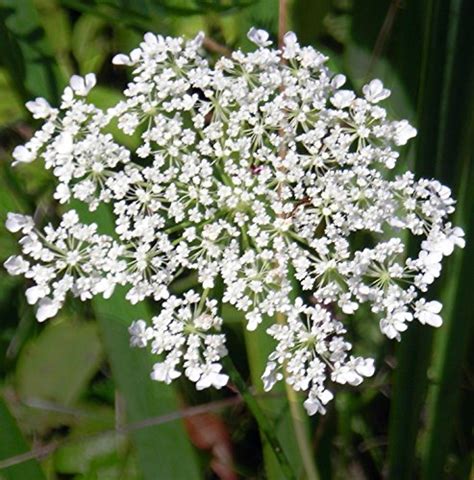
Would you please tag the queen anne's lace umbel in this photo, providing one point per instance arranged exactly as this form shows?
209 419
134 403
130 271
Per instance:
256 173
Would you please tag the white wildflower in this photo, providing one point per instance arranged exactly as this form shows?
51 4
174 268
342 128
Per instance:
253 174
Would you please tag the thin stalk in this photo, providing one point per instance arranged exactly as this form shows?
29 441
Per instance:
282 21
265 426
298 417
297 414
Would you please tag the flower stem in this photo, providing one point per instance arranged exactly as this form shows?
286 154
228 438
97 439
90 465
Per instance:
282 21
296 412
298 417
265 426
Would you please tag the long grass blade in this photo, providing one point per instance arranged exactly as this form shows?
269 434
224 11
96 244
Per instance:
164 451
455 142
12 443
434 118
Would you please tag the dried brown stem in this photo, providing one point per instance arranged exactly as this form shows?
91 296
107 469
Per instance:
216 47
282 21
45 450
383 35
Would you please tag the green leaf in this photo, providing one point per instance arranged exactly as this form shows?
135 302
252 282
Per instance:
58 364
308 19
162 450
26 53
10 107
89 45
56 22
12 443
454 141
79 456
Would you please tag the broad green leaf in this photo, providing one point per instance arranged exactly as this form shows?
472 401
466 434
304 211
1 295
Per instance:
80 456
10 107
12 443
308 19
57 26
90 46
58 364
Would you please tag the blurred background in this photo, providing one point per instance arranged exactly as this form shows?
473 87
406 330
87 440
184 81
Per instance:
77 403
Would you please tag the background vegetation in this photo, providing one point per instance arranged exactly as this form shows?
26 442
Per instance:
77 403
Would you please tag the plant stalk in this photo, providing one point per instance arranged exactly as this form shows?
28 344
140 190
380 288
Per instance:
297 419
296 412
265 426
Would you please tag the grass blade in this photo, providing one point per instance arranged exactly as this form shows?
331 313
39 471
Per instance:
12 443
427 73
454 141
163 451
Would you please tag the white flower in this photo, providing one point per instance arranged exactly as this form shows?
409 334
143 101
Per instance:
82 85
403 132
308 343
22 154
253 174
185 333
338 81
259 37
441 243
211 376
374 91
165 372
71 258
17 222
317 400
129 60
291 45
427 312
271 375
47 308
64 143
140 334
40 108
343 98
16 265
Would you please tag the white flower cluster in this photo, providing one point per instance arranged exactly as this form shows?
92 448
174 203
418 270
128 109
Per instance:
257 172
184 333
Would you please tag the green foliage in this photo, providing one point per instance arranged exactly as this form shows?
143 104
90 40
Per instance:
47 367
77 382
12 443
25 51
162 448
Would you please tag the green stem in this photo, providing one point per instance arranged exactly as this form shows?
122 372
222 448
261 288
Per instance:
265 426
298 417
